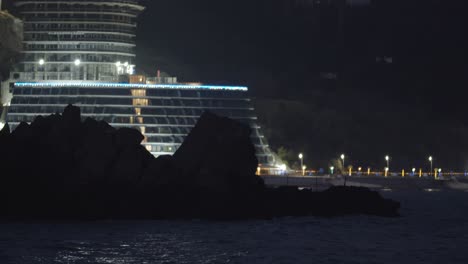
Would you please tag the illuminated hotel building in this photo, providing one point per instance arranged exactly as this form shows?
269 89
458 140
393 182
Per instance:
164 113
77 40
75 53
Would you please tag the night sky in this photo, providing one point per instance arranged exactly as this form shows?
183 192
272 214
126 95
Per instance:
392 80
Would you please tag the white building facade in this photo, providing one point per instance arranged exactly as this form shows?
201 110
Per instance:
71 40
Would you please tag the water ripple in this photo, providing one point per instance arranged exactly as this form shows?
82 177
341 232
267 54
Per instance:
432 230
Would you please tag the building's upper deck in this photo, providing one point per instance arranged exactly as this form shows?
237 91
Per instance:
127 85
74 40
163 113
132 4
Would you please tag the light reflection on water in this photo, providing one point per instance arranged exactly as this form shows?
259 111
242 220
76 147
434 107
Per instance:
432 230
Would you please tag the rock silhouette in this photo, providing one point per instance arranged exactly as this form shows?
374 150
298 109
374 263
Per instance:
62 167
218 155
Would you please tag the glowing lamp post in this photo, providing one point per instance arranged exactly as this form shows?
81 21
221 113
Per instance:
387 158
303 170
342 159
301 157
413 170
430 160
386 171
331 170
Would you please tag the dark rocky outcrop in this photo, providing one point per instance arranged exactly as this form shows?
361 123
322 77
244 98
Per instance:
61 167
218 155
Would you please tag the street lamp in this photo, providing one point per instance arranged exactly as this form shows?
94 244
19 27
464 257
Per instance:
387 158
331 169
413 170
303 170
344 170
342 158
386 171
430 160
301 157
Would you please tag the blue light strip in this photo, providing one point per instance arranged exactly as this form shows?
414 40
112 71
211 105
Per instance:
127 85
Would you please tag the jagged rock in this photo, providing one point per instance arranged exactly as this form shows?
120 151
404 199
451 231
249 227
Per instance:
22 132
61 167
162 171
126 137
5 130
335 201
218 155
72 115
96 155
130 164
92 126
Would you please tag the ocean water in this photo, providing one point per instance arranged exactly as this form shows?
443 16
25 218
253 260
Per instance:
433 229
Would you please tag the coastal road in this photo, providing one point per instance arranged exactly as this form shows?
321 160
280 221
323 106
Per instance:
373 182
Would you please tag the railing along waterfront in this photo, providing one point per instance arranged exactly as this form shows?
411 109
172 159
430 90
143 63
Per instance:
314 173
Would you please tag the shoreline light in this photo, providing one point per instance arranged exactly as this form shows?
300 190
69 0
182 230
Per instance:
128 85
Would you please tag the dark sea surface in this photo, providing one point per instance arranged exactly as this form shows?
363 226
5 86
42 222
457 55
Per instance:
433 229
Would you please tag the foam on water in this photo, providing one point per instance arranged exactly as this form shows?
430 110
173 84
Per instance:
432 229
